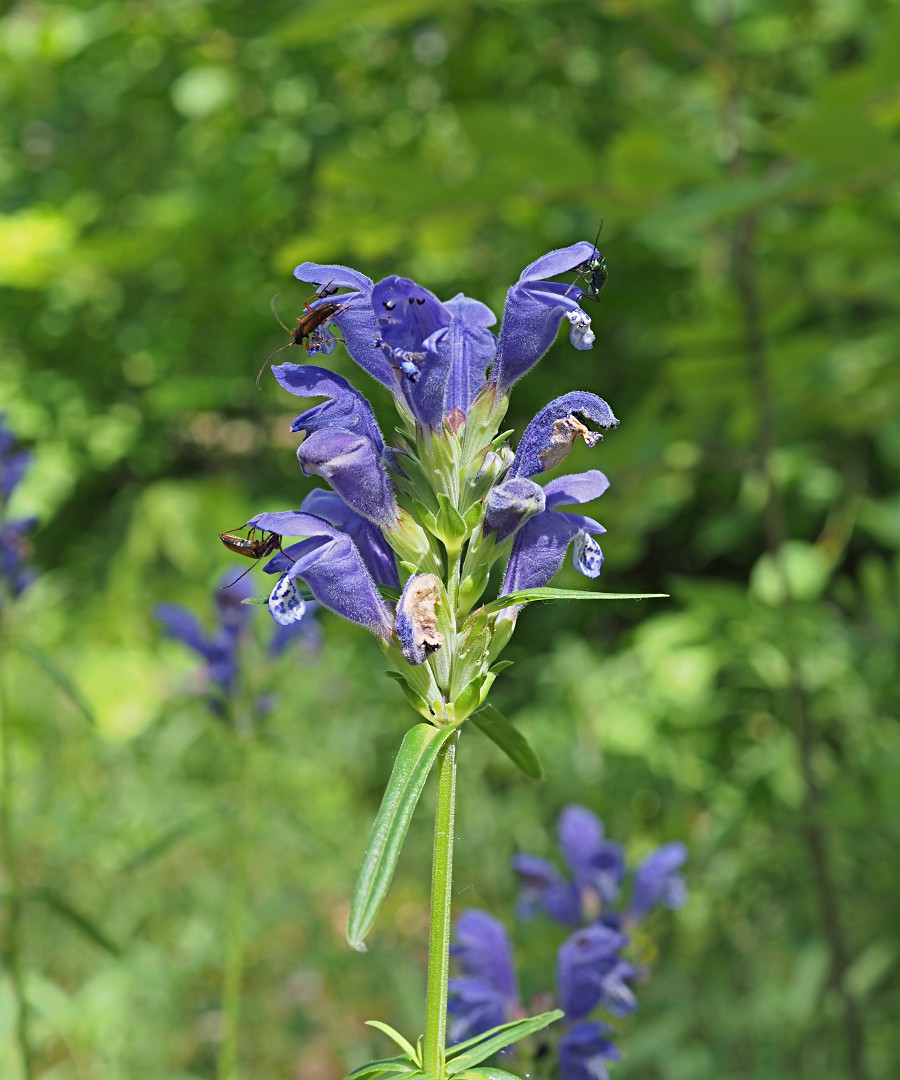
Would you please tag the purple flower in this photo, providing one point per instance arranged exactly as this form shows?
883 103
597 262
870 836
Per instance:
590 972
657 881
220 648
540 546
597 867
331 565
487 994
356 320
510 504
534 309
346 410
376 553
553 432
14 548
584 1051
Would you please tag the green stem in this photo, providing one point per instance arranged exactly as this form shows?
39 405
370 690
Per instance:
10 868
439 939
227 1066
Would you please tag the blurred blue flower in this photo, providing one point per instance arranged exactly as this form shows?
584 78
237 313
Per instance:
590 972
15 575
657 881
584 1051
487 993
597 868
221 648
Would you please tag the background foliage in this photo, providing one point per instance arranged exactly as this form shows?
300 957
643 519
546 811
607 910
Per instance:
163 166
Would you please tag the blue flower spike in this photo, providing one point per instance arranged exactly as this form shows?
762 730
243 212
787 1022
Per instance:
15 573
406 535
592 969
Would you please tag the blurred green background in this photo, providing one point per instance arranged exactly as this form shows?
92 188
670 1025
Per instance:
163 167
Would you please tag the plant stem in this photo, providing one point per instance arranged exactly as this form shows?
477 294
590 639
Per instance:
13 890
439 938
227 1065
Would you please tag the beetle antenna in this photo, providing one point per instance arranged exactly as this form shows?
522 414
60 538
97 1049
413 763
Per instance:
277 316
263 368
243 574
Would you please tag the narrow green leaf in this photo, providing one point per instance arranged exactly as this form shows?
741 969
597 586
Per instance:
392 1033
505 1036
417 702
61 679
415 758
162 843
488 1073
501 665
78 919
510 740
528 596
398 1066
256 601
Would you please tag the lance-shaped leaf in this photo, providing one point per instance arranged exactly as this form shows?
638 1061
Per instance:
528 596
510 740
398 1066
465 1055
418 753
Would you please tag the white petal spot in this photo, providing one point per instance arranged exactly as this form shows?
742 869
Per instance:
587 558
581 335
286 605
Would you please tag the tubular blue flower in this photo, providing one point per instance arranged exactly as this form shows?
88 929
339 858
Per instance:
471 347
510 504
539 548
554 430
417 618
534 310
597 867
657 881
356 319
432 356
590 972
330 564
584 1051
376 553
220 648
441 351
487 994
346 409
354 470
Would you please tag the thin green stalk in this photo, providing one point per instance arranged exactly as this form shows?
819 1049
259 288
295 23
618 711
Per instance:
13 890
439 937
227 1065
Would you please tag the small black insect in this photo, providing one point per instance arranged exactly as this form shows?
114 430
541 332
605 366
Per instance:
594 272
